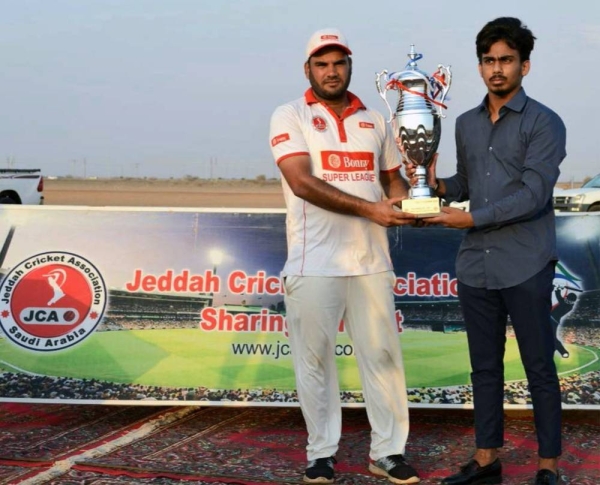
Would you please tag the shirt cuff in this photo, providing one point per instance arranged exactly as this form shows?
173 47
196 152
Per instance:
482 217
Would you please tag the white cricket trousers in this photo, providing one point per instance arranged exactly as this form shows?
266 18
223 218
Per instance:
314 308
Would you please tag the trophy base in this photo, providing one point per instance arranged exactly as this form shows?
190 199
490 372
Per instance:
422 207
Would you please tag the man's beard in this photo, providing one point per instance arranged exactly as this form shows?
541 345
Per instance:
502 91
329 95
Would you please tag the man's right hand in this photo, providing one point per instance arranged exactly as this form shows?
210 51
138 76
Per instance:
387 213
411 168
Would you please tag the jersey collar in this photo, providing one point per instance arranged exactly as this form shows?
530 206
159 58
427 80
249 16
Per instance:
355 102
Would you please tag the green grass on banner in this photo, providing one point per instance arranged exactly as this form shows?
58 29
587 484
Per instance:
191 358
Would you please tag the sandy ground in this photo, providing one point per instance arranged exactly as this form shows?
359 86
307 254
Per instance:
164 193
167 193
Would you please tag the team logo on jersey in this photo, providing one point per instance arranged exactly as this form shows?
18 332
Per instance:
51 301
319 123
366 124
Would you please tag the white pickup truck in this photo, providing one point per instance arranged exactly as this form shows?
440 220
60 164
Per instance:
584 199
21 186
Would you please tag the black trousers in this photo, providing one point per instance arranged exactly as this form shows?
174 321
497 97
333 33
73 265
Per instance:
485 312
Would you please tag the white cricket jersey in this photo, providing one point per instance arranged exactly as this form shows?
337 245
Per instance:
348 153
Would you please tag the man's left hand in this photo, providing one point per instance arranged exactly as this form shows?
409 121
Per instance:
451 217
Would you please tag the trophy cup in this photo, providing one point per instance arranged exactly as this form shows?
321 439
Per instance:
417 121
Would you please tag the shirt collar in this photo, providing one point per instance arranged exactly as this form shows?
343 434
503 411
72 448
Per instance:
355 102
516 103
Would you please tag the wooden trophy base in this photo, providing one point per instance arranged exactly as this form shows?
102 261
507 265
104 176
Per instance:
422 207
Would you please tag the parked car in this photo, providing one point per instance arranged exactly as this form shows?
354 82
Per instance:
21 186
584 199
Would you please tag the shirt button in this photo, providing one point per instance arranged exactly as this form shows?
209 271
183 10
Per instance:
485 200
488 174
490 149
487 251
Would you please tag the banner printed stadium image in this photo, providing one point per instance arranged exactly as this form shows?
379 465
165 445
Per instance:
144 306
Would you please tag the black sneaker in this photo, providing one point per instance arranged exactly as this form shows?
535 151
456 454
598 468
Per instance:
395 468
320 470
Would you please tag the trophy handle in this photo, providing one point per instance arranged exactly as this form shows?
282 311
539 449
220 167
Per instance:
441 80
383 75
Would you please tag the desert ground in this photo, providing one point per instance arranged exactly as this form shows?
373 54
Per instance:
260 194
165 193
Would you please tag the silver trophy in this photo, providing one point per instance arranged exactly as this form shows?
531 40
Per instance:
417 121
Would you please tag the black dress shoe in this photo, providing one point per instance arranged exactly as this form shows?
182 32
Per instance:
474 474
546 477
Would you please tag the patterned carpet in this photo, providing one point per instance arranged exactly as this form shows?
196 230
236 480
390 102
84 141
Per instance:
105 445
42 434
34 438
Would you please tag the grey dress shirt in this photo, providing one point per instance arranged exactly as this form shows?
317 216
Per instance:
507 170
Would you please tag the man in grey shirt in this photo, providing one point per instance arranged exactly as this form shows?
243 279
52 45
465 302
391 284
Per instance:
509 149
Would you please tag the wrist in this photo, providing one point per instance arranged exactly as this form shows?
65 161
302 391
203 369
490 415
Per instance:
435 186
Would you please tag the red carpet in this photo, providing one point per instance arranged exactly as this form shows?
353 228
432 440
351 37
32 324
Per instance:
40 434
254 446
34 437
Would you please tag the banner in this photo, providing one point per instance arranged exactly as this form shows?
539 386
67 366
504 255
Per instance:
158 306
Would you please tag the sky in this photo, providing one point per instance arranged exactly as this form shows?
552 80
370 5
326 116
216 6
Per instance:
155 88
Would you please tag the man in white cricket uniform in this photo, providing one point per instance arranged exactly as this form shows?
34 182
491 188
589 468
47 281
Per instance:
341 182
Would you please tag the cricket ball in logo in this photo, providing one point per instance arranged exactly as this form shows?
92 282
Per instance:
51 301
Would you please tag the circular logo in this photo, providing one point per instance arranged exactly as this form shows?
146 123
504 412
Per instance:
51 301
334 160
319 123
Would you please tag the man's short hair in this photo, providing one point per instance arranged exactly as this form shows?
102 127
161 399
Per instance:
508 29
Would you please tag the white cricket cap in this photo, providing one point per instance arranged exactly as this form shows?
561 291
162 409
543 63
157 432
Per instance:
324 38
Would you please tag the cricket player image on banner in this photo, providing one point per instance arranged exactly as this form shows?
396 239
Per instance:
183 306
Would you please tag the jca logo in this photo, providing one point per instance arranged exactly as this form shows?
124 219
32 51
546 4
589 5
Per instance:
51 301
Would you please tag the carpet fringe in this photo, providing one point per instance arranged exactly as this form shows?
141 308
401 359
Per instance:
63 466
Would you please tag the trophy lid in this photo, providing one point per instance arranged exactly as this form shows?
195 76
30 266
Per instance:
414 57
411 71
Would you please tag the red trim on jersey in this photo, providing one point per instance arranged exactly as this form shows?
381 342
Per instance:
355 102
391 170
297 154
341 129
354 106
